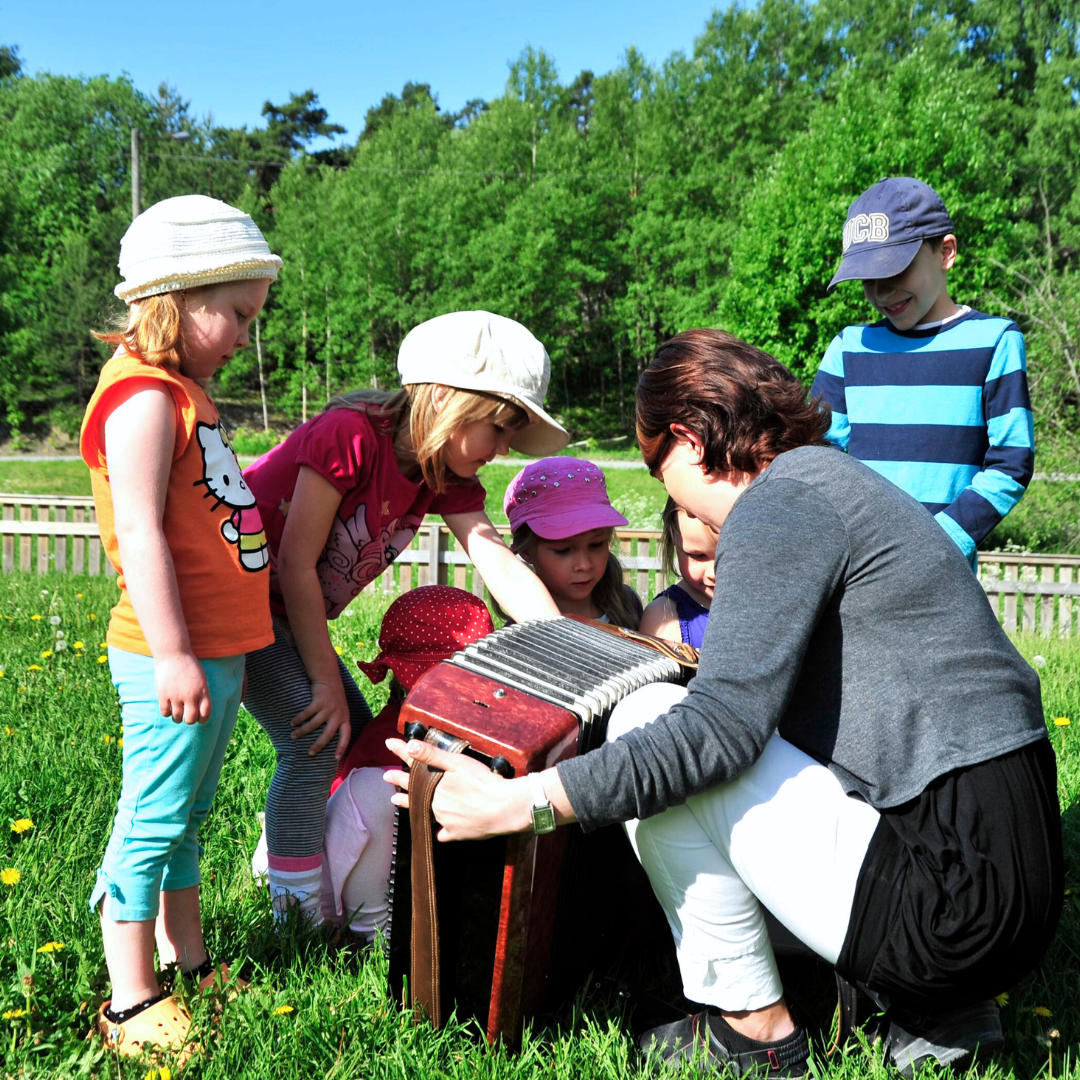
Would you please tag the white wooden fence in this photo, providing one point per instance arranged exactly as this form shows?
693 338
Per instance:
44 533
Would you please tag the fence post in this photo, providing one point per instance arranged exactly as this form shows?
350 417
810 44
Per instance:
1010 598
1046 601
1065 604
61 543
24 542
43 543
434 543
7 560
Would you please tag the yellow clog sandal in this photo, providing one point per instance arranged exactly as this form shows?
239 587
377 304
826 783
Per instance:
220 983
161 1026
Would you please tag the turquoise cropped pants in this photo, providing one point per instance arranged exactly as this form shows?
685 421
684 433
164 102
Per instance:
170 774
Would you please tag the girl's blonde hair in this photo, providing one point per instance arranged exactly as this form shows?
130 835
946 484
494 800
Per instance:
411 417
151 331
610 593
669 538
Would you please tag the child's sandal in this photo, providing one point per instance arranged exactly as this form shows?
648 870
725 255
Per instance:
219 982
161 1026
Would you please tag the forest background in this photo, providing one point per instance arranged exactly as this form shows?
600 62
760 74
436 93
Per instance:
606 213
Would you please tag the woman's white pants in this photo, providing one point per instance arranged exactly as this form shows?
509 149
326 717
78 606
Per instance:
782 836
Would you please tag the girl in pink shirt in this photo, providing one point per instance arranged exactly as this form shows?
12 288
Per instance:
340 499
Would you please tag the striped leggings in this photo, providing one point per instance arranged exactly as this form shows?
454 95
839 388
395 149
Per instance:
277 689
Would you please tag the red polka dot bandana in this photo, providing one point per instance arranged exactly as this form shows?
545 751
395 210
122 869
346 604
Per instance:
424 626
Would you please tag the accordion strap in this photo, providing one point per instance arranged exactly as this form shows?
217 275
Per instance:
681 653
424 979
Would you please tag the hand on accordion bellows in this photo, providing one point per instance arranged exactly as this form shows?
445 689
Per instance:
471 802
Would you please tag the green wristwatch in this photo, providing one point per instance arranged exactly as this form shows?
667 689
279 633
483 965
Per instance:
543 813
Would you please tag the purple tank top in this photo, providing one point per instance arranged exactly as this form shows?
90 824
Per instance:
692 616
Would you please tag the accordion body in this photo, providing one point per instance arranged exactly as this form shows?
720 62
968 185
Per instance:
520 918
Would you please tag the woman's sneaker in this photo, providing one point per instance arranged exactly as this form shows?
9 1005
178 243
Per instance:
709 1040
951 1038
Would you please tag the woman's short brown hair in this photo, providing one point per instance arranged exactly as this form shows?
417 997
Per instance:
744 406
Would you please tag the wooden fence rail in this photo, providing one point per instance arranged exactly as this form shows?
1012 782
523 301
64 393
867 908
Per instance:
46 533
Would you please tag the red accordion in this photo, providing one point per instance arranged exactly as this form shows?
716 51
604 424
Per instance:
520 700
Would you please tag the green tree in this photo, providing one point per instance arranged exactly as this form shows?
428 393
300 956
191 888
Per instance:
944 126
10 64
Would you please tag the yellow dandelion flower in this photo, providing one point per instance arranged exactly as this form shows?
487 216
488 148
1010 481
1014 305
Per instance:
46 653
24 824
1061 721
91 616
120 742
108 739
35 667
37 618
78 596
9 731
1 672
52 946
1042 1010
337 649
102 659
164 1073
14 1014
78 645
1002 1000
281 1010
10 876
103 645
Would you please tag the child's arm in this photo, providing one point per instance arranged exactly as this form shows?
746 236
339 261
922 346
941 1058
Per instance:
661 620
829 385
312 509
1010 458
140 435
519 592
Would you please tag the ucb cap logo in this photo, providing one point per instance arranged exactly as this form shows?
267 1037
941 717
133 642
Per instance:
866 229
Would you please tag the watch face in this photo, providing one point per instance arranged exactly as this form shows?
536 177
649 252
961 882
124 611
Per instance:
543 819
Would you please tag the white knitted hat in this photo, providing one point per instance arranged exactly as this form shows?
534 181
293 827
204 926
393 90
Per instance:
475 350
188 241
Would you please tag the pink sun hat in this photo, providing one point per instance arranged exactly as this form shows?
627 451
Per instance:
559 497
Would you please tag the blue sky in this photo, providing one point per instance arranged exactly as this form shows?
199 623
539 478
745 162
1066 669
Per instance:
228 57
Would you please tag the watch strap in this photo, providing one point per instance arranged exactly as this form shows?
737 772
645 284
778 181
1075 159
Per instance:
543 813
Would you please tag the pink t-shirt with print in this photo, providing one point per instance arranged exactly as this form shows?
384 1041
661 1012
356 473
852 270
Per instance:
380 508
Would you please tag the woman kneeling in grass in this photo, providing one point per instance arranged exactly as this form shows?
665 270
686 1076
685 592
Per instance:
863 752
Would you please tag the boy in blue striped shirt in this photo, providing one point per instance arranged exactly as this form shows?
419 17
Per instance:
934 396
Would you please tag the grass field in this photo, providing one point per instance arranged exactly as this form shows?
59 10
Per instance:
313 1009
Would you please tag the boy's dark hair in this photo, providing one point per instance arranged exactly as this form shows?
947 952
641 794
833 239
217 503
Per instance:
936 241
744 406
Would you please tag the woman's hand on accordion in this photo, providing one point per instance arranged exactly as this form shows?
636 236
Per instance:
471 802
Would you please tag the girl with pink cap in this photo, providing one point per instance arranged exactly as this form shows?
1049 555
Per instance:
562 524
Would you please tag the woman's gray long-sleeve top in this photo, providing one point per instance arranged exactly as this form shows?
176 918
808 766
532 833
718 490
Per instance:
845 618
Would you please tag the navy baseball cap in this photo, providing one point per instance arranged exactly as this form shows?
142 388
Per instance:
886 226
